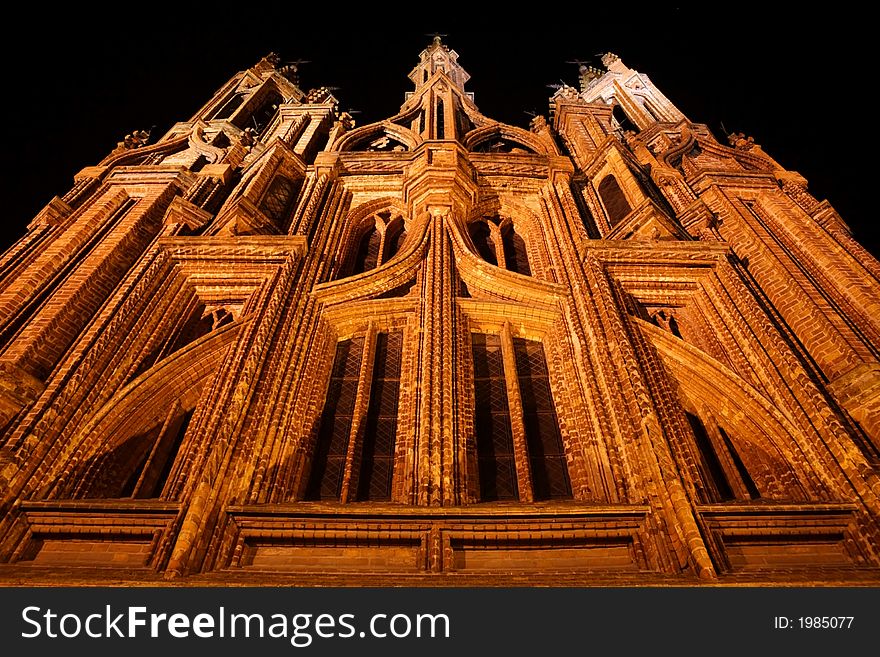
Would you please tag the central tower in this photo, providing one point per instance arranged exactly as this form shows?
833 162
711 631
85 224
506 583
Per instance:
439 93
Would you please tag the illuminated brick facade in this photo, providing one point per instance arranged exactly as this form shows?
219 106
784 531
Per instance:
273 347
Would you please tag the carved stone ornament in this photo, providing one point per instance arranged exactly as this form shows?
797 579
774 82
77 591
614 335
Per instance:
739 141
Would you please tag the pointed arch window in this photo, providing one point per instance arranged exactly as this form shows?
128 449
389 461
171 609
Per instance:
186 329
381 241
665 319
377 450
441 121
498 243
328 461
741 470
580 194
481 236
713 474
613 199
395 236
354 451
520 453
515 256
257 113
369 248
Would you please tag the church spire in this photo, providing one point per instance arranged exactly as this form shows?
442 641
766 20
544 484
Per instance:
438 57
444 104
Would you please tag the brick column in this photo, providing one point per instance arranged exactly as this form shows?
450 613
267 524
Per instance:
435 427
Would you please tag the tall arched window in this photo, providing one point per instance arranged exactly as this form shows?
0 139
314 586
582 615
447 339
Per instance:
501 435
385 234
614 199
328 461
367 256
494 435
142 465
713 475
441 121
544 440
587 218
368 477
482 238
395 235
377 451
515 256
498 243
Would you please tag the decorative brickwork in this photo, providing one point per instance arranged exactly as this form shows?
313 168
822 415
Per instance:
273 347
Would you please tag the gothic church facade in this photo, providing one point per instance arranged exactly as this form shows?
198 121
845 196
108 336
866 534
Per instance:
274 347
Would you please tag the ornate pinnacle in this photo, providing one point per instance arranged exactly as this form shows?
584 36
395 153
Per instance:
609 58
437 41
739 141
538 124
135 139
269 63
588 74
319 95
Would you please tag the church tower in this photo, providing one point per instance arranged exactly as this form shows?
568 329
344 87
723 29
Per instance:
272 347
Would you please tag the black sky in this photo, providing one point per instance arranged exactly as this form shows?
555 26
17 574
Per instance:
78 81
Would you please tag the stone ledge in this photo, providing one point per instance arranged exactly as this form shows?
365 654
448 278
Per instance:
487 510
21 576
755 537
561 538
93 533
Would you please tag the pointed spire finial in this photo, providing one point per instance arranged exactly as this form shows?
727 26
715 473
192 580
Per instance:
609 58
437 41
438 56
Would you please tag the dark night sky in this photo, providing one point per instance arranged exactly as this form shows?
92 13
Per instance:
790 80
